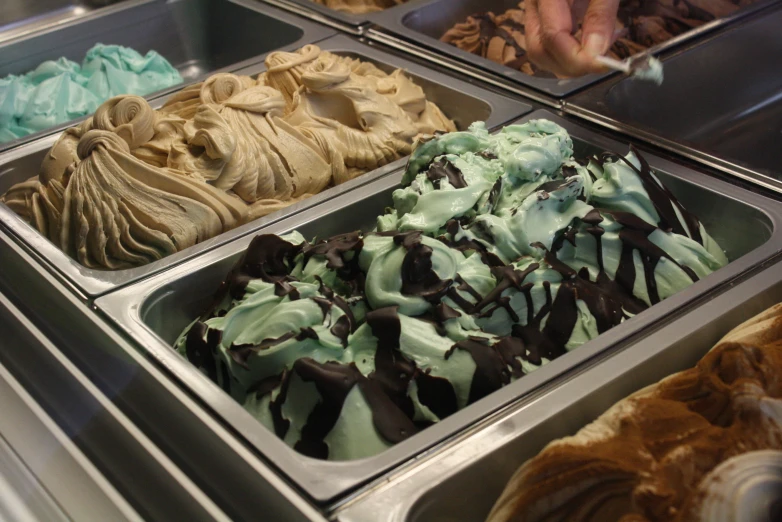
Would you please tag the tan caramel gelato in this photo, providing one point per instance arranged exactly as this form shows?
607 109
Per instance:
359 6
132 184
646 458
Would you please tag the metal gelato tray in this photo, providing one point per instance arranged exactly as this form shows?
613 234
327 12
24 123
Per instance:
464 481
462 102
418 26
198 37
154 312
728 114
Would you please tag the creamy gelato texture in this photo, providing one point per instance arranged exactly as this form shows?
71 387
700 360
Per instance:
60 90
501 253
132 184
359 6
684 449
640 24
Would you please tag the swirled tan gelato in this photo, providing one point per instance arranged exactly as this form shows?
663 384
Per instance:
132 184
655 455
359 6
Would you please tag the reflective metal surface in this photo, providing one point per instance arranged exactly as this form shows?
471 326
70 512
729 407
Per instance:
420 25
729 114
463 482
198 37
155 311
462 102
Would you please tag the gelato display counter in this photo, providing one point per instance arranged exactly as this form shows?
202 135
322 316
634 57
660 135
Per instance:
364 261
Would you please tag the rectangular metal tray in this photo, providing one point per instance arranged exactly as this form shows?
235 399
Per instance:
463 482
198 37
728 114
419 26
155 311
353 23
462 102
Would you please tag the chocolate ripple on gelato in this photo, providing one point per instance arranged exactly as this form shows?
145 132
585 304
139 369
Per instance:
132 185
640 24
656 455
500 254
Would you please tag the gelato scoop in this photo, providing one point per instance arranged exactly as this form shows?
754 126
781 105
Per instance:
501 253
640 25
132 184
61 90
359 6
691 447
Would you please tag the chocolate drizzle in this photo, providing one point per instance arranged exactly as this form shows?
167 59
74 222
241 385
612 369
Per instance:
444 169
418 276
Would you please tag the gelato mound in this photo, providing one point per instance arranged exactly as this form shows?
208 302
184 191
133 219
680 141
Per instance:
501 253
654 455
359 6
58 91
132 184
639 25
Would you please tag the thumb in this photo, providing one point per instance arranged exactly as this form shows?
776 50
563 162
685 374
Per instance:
599 25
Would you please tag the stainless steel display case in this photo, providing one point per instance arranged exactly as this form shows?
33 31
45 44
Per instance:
418 26
198 37
155 311
728 114
463 481
461 101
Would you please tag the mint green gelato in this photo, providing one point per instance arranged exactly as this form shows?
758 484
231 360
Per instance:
59 91
501 253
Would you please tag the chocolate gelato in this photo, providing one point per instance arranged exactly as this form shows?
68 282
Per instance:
652 456
132 184
640 24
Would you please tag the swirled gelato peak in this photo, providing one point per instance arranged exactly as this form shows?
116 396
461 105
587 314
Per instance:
132 184
501 253
60 90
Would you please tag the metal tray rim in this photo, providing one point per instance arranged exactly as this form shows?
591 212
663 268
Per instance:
123 308
92 283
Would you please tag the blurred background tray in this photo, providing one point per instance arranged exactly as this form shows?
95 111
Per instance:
418 26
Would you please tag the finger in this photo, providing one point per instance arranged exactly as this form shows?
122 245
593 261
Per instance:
599 27
556 27
535 49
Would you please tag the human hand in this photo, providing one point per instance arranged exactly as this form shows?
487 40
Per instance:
549 32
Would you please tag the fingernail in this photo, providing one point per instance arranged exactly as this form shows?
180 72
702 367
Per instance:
595 44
